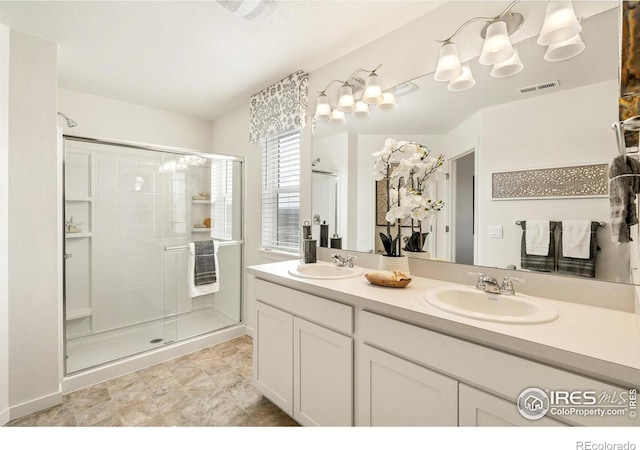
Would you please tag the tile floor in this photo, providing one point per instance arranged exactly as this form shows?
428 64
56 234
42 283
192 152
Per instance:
210 387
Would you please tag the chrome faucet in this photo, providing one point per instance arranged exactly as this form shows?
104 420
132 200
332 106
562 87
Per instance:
507 285
342 261
490 284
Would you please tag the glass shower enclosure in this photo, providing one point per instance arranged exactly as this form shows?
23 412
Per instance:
130 214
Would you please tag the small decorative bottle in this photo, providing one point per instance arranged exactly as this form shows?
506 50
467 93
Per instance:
324 234
309 251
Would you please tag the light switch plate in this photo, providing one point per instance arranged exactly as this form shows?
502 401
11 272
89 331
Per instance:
495 231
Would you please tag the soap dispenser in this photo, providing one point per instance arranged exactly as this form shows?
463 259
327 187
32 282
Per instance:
324 234
306 230
336 241
309 251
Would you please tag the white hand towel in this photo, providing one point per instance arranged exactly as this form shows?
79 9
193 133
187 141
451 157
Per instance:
576 238
537 237
195 291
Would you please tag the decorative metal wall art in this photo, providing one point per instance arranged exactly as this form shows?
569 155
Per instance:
558 182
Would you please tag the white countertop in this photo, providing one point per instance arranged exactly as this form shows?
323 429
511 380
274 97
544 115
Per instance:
597 342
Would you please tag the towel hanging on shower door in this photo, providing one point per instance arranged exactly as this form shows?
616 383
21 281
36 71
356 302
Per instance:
203 269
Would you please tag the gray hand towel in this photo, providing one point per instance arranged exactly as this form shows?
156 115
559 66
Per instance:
205 263
622 196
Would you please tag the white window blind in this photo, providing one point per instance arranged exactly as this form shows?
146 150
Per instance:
221 199
281 191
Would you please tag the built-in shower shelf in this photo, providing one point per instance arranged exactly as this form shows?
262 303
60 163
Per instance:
78 199
79 313
201 202
77 235
200 230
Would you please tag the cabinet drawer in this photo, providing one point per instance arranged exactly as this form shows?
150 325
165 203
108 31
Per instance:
319 310
493 371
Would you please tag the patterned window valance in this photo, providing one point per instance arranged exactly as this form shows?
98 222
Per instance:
280 107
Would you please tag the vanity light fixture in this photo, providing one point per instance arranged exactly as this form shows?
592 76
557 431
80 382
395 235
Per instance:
497 47
509 67
449 66
323 108
565 50
560 31
388 102
337 117
464 81
560 23
349 100
361 111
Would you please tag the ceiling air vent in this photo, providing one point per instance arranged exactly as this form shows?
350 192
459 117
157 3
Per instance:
539 87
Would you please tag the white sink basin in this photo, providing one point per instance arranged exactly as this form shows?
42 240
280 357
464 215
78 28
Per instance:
325 271
476 304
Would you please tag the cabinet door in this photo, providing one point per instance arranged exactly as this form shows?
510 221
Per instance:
323 375
396 392
480 409
273 356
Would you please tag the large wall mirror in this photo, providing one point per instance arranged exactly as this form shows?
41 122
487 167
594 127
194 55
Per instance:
500 126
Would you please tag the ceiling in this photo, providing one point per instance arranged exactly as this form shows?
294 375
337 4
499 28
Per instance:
196 57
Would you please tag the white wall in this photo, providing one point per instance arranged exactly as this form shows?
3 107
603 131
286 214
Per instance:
230 135
34 259
4 223
100 117
592 108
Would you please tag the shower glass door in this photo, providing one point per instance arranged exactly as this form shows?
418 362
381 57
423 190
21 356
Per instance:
130 214
213 200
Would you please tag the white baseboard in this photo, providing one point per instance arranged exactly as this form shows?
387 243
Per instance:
110 370
35 405
248 331
4 416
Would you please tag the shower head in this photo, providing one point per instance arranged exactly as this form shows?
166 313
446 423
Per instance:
70 122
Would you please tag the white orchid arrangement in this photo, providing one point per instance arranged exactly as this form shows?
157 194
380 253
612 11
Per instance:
406 166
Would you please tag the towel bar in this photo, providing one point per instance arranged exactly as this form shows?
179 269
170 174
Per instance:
168 248
600 224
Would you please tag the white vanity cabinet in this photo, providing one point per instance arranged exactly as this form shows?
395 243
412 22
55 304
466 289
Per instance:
339 358
480 409
273 355
303 355
397 392
497 378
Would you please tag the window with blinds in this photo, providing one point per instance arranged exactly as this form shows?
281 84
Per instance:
281 191
221 199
